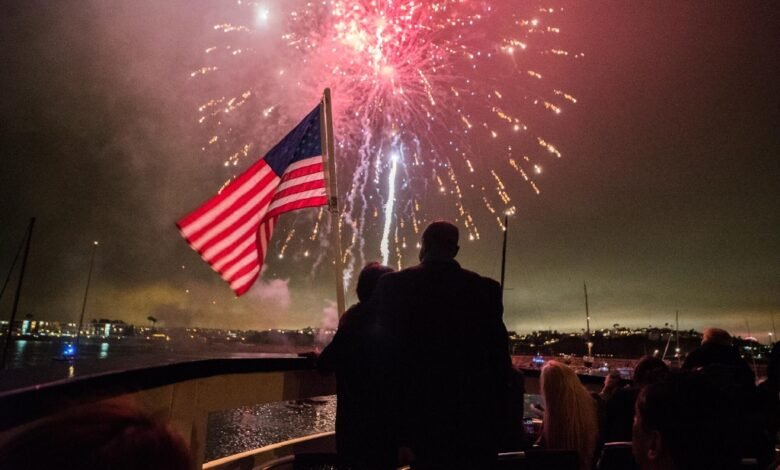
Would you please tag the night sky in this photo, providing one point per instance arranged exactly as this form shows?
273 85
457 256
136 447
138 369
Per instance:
666 198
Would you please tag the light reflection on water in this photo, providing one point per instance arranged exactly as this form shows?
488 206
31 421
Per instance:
41 352
249 427
19 350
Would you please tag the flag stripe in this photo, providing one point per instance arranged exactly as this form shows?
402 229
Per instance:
243 283
300 204
250 204
315 168
224 245
287 183
222 202
236 254
300 188
303 163
243 279
241 261
302 195
248 177
232 231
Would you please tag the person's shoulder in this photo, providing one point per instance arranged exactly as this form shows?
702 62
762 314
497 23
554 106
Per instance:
486 282
351 315
624 395
393 282
400 276
476 276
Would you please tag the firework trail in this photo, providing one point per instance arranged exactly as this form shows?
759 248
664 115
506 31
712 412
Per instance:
435 108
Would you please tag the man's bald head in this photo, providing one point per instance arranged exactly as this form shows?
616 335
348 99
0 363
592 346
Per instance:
716 336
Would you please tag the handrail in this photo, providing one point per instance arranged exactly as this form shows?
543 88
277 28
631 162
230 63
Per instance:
266 449
29 402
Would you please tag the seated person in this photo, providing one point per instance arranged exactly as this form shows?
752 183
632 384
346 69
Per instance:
97 437
687 422
716 349
570 420
619 407
719 358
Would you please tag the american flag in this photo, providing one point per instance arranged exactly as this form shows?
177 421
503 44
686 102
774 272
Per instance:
231 231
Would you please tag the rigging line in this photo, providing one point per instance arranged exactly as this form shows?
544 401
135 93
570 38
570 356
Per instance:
13 264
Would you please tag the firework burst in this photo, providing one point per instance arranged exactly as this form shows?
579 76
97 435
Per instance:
434 104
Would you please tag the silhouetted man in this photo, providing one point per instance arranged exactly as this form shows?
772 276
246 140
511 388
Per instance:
718 357
447 357
716 349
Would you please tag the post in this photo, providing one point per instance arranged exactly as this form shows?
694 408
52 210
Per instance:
86 291
587 327
587 313
18 293
752 351
503 253
677 352
328 154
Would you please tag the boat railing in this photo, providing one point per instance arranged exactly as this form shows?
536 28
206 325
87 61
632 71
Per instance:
186 391
183 392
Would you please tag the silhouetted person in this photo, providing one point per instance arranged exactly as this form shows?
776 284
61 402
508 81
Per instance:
360 438
769 396
720 359
97 437
447 356
619 407
716 348
687 422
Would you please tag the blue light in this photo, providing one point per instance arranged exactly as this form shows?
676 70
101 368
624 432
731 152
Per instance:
68 350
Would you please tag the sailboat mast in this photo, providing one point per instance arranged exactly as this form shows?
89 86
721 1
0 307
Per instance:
677 351
677 328
86 291
18 293
587 313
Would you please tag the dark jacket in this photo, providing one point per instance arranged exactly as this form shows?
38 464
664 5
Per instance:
619 415
724 364
447 361
709 354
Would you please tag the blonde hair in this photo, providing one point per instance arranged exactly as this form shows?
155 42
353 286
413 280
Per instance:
570 420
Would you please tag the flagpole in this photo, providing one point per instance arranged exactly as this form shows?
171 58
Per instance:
326 131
